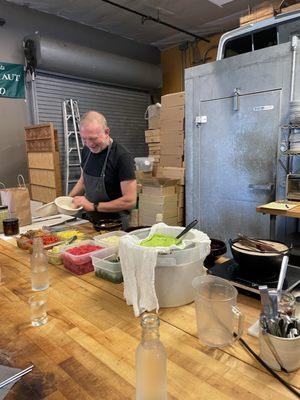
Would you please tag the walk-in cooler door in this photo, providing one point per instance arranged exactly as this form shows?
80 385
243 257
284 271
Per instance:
234 163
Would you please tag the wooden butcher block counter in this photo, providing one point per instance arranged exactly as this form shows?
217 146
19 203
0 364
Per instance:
87 348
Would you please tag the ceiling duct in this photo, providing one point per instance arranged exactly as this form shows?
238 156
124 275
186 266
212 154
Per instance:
70 59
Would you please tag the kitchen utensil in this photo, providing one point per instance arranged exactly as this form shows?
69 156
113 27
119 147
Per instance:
59 224
258 244
265 301
217 315
45 219
16 376
187 229
282 274
273 295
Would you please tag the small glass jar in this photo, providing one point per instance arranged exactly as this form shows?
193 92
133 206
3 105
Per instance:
287 304
3 215
11 226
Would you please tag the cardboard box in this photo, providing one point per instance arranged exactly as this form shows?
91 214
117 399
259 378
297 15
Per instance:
154 146
180 213
149 210
174 148
181 199
168 199
172 100
180 189
170 136
154 153
156 158
150 220
172 173
152 132
172 113
152 136
143 175
159 186
175 124
170 160
134 217
154 123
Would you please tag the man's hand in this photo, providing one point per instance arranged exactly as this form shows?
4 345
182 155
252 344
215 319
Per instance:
82 201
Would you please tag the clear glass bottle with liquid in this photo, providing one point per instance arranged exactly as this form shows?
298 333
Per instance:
151 362
39 266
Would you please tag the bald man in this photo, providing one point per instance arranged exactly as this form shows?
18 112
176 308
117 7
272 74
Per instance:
107 186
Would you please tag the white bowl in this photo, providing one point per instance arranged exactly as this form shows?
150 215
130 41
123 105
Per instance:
64 205
46 210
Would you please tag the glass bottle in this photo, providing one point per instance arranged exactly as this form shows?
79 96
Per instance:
39 266
151 362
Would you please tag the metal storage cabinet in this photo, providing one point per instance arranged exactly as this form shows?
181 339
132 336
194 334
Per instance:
232 153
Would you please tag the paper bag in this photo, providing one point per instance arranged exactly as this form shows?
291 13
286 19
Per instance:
18 201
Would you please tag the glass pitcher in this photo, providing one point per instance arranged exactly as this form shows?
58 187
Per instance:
219 321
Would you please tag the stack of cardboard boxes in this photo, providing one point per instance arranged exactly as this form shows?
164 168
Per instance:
152 135
152 138
172 145
172 130
158 200
164 192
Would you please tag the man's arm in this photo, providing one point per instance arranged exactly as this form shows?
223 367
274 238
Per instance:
78 189
126 202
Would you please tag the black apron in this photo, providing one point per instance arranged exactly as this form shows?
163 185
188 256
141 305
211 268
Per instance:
95 192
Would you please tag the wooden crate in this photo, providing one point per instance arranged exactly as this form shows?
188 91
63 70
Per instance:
43 162
42 193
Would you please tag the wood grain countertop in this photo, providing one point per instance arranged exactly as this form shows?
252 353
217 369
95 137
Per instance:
87 348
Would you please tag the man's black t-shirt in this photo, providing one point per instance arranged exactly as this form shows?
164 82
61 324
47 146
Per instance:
120 167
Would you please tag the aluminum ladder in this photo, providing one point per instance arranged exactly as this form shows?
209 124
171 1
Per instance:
72 141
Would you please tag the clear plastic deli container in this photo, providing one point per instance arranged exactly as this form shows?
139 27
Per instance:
144 163
108 268
110 239
77 258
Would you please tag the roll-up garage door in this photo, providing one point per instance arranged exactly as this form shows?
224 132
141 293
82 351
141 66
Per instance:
123 108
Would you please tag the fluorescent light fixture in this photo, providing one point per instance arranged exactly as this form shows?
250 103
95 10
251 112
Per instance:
220 3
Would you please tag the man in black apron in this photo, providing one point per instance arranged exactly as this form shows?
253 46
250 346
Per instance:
107 187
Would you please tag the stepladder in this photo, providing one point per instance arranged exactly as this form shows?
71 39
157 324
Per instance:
73 143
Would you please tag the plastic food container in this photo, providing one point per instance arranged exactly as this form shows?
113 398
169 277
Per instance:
107 239
56 258
144 163
80 264
108 268
176 270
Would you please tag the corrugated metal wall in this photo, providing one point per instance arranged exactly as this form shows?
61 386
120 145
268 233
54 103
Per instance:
123 108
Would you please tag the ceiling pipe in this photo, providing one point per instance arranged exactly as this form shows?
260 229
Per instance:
146 17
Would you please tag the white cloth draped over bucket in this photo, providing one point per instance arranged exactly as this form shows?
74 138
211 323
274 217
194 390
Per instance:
138 265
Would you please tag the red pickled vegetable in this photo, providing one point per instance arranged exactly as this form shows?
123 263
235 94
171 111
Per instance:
83 249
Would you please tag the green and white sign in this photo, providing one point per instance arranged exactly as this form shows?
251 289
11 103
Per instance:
12 80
